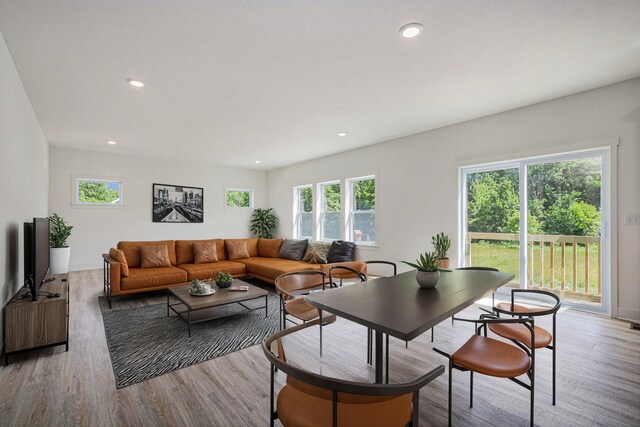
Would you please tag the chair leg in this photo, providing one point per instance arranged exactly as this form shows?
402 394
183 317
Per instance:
432 333
386 358
553 362
471 389
320 316
272 417
450 387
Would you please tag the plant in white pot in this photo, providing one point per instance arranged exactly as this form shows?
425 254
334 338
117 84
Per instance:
59 232
441 243
428 272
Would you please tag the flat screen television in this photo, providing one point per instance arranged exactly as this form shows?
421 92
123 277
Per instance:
36 254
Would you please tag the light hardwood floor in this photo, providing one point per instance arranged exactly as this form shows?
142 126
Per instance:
598 376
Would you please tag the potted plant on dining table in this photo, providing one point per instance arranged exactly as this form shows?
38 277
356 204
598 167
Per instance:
428 270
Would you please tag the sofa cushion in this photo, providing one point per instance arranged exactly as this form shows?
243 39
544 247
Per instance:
154 256
269 248
252 245
341 251
118 255
236 249
184 250
204 253
209 271
293 249
317 252
152 277
132 250
273 267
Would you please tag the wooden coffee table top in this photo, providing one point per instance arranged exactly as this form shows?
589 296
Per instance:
221 297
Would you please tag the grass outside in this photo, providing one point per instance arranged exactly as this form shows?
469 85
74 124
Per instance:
505 256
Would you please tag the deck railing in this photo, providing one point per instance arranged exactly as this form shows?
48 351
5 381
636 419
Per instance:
578 275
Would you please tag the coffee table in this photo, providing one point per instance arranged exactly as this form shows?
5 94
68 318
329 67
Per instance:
196 309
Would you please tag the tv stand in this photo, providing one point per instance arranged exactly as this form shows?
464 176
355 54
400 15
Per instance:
29 325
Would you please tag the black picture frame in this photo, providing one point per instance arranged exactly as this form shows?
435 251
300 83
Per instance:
177 204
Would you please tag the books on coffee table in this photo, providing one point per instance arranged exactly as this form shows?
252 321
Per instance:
239 288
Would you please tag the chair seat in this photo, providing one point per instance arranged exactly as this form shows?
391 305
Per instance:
520 333
517 308
304 311
300 409
492 357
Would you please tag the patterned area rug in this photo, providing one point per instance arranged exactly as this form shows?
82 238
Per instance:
145 343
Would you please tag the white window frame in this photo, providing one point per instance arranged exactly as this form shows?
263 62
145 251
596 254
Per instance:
297 211
605 213
350 204
242 189
320 208
77 179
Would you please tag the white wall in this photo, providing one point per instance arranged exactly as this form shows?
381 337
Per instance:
417 182
96 229
24 173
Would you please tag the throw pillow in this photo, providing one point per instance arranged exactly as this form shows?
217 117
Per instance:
293 249
317 252
154 256
118 255
237 249
341 251
269 248
204 253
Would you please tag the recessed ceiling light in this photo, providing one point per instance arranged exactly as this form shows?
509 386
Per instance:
110 142
342 134
411 30
257 162
135 82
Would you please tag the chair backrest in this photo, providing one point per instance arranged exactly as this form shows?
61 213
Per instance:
334 384
300 280
478 268
393 264
345 272
536 312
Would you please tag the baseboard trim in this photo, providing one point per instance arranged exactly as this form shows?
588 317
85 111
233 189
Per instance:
629 314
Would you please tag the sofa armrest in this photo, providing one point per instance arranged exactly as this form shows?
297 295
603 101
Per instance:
112 272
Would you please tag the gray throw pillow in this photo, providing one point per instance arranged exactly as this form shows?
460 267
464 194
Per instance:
317 252
293 249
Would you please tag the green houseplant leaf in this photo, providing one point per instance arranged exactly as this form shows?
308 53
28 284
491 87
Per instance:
263 223
59 232
427 262
441 243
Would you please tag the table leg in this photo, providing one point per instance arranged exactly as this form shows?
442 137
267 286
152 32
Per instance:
167 303
320 316
379 357
189 321
266 306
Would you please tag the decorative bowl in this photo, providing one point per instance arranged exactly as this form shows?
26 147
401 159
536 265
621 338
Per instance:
223 285
427 279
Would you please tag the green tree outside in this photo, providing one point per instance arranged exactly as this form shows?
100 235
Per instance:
98 192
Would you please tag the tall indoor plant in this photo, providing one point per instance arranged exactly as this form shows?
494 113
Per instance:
60 252
441 243
263 223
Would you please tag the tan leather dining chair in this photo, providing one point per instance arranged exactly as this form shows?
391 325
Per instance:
495 358
310 399
519 335
292 287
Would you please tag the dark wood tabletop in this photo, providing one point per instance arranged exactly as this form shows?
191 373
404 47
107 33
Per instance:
399 307
221 297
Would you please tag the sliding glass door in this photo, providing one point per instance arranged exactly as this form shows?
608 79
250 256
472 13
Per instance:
559 206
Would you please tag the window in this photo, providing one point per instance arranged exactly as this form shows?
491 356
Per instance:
329 210
361 205
98 192
303 212
239 198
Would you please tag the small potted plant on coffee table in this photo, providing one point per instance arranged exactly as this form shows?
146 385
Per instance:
224 280
428 272
441 243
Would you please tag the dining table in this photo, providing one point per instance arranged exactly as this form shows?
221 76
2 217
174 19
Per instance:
397 306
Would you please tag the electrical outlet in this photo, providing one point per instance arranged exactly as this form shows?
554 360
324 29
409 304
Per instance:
632 219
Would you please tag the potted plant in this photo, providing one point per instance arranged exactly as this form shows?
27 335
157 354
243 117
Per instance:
441 243
60 252
263 223
223 280
428 272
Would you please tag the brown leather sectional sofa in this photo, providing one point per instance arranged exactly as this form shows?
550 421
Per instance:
263 263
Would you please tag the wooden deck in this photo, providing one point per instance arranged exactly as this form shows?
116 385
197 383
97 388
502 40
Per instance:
598 376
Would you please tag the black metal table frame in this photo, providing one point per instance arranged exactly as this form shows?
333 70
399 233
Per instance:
189 310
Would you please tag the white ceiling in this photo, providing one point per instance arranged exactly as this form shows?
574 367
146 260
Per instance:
234 81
